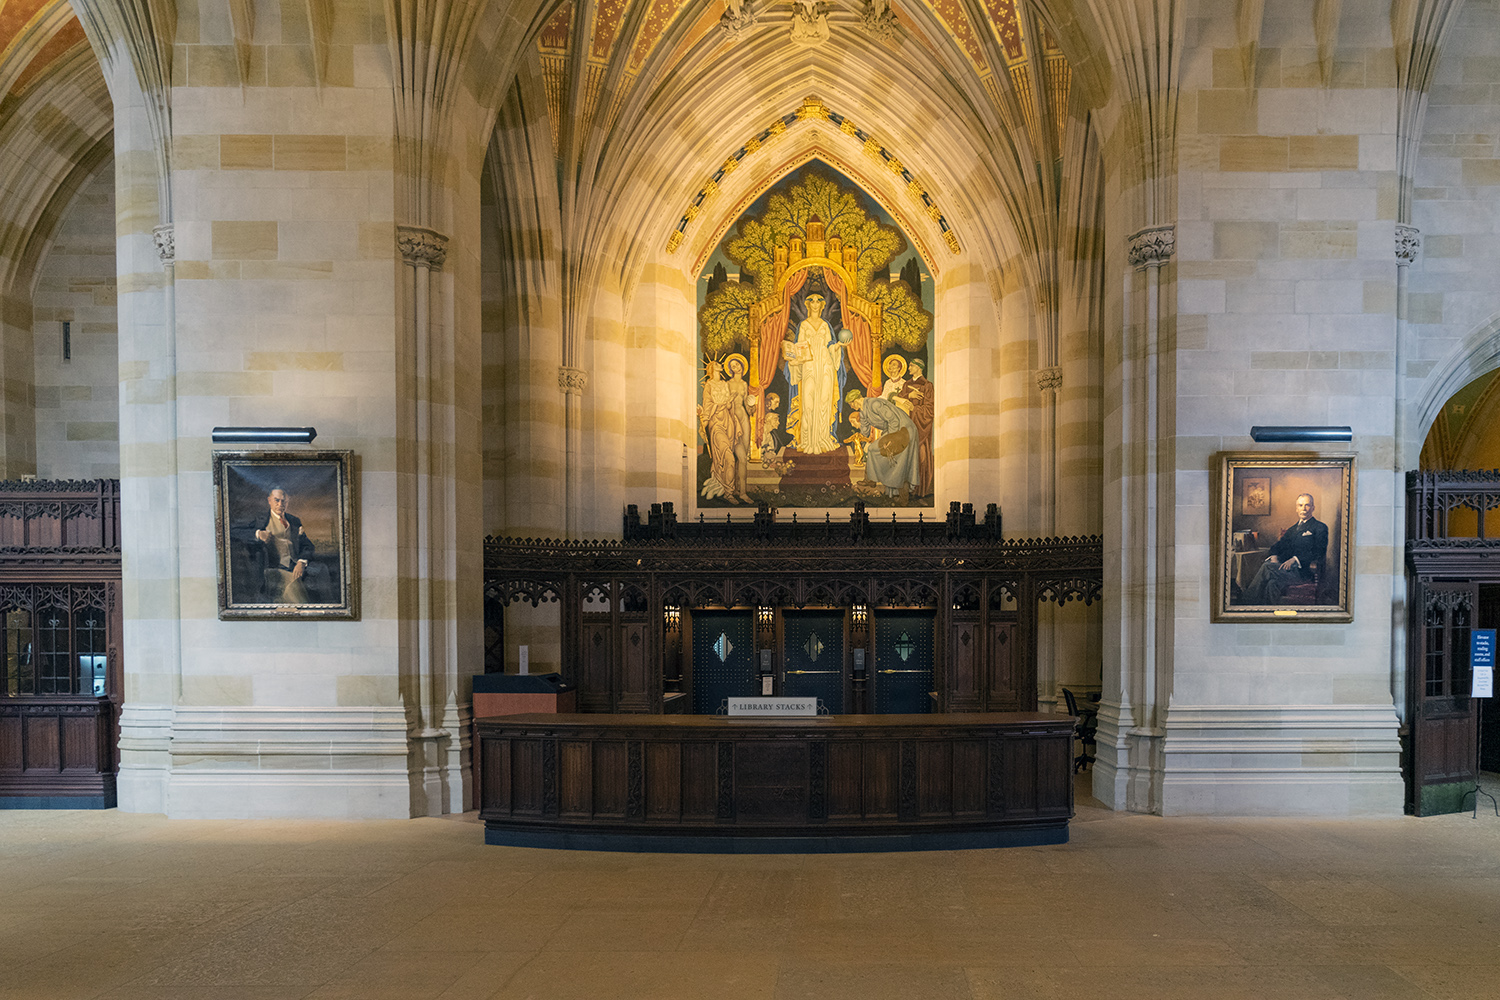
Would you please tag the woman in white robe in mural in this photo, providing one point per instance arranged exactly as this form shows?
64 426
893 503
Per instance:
813 363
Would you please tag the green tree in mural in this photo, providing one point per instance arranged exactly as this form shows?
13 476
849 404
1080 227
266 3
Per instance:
724 320
724 316
903 321
843 217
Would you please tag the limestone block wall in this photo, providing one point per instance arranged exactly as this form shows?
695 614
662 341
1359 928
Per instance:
1285 314
78 400
285 306
1454 300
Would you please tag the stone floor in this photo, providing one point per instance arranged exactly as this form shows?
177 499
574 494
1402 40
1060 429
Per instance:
129 907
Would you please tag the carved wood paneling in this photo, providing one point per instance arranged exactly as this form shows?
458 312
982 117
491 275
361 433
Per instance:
60 555
619 658
840 776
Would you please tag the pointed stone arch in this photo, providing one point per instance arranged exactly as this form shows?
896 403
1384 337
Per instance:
1477 354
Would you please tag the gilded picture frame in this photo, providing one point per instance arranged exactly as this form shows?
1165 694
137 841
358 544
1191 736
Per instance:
286 535
1283 536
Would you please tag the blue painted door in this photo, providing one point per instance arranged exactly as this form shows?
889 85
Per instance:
813 657
723 658
903 662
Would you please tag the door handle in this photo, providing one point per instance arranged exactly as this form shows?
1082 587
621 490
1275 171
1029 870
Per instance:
814 671
903 671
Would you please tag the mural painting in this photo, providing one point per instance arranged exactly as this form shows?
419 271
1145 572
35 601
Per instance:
816 385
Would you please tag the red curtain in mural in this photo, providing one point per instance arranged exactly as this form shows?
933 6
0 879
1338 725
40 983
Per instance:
772 333
861 351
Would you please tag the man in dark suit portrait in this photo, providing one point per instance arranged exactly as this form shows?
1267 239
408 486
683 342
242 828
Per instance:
1297 557
278 551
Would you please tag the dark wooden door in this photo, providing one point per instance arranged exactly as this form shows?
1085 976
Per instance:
1443 715
812 657
903 662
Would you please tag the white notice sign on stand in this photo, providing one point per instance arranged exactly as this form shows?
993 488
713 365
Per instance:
1482 660
773 706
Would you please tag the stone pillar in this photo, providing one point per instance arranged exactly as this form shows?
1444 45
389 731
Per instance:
1127 773
572 382
1408 245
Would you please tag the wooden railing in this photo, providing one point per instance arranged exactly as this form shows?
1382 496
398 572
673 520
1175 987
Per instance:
1433 497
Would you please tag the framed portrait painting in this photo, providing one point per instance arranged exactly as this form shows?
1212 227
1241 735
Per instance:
286 537
1283 538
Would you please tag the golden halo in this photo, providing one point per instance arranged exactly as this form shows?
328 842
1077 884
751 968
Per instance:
885 366
744 363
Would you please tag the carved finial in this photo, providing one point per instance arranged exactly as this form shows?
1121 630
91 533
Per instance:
1154 245
738 15
809 23
878 20
422 247
1408 243
166 244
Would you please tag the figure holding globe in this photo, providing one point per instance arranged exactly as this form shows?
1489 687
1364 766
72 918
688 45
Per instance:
813 363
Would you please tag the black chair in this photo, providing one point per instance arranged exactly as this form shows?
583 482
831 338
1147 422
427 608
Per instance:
1083 730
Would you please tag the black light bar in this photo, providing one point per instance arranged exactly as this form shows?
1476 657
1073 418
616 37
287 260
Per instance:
1301 433
264 435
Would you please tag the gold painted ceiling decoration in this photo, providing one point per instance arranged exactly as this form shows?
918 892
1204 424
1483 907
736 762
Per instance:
812 109
34 34
606 45
552 44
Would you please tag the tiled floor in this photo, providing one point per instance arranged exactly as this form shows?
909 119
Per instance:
109 905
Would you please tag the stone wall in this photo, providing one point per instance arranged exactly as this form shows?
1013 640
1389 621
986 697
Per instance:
78 400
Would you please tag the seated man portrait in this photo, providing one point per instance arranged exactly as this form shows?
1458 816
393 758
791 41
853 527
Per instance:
278 551
1297 557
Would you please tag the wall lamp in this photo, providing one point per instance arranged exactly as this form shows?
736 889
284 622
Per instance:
264 435
1301 433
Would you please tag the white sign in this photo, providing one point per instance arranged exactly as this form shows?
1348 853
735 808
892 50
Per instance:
524 658
773 706
1484 683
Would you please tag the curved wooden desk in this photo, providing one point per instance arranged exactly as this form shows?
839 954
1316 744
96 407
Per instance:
833 783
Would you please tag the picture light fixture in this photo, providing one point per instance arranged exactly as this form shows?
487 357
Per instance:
1301 433
264 435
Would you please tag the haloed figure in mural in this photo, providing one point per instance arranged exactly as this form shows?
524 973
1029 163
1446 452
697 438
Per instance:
916 391
813 362
724 421
815 290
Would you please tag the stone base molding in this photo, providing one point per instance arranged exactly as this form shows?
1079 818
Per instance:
145 758
1281 760
235 762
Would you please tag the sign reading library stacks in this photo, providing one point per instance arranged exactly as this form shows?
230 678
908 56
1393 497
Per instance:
773 706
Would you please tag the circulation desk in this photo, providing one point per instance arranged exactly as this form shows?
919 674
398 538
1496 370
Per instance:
747 785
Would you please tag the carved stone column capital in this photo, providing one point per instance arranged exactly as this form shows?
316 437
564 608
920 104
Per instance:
166 244
1408 243
572 381
1152 246
422 247
1049 379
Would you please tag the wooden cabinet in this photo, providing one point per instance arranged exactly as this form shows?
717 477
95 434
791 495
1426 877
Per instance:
60 634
